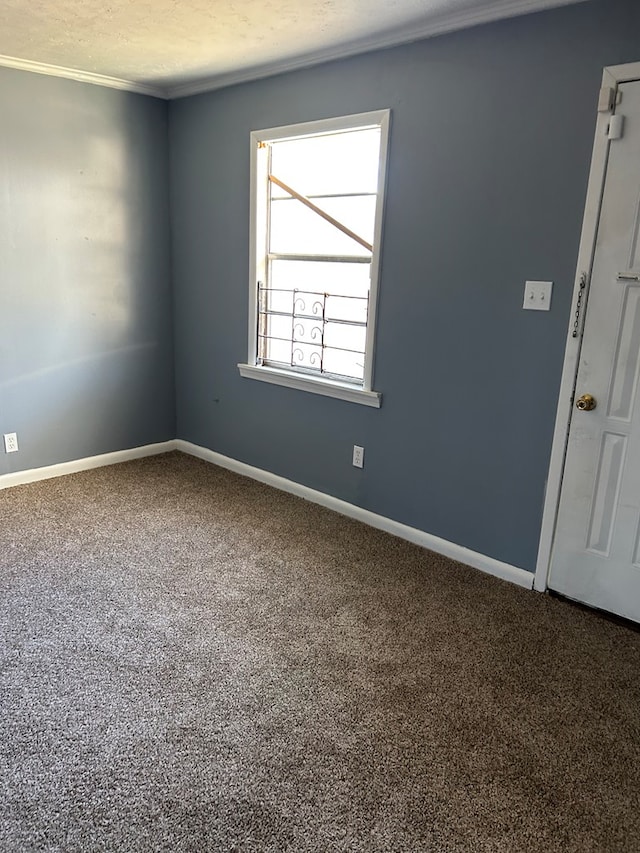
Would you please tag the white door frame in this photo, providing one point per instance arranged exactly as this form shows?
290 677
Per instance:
611 78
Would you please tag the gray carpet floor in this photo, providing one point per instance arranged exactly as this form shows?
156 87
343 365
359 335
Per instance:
191 661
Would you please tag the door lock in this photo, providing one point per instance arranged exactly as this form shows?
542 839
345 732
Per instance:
586 403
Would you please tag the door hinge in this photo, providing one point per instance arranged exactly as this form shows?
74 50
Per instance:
615 128
606 99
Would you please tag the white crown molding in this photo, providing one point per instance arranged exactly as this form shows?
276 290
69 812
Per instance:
494 11
82 76
486 564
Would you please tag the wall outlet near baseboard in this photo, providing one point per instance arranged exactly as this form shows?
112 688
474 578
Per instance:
358 456
10 442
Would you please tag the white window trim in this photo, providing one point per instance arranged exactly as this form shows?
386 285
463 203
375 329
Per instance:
318 385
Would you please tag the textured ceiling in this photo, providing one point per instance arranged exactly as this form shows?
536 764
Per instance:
169 43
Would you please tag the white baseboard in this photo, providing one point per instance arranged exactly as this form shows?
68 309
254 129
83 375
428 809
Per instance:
32 475
419 537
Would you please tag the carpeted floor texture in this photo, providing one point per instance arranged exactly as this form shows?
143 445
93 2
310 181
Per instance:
191 661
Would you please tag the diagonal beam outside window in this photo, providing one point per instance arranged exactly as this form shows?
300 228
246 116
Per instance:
320 212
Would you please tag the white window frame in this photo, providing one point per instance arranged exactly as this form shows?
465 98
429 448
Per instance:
352 392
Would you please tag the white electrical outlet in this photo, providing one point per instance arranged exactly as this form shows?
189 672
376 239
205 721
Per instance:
10 442
537 295
358 456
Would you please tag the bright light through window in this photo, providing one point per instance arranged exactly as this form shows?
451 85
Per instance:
316 222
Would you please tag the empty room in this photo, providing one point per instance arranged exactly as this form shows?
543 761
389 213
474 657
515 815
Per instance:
319 504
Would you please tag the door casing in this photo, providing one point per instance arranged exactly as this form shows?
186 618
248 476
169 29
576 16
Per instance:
612 77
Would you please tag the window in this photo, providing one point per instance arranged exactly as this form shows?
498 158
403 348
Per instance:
316 221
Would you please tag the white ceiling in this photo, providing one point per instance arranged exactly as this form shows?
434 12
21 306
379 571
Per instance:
174 47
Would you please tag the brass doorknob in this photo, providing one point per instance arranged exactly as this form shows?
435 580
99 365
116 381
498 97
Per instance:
586 403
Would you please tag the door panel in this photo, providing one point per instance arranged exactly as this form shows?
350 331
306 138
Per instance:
596 553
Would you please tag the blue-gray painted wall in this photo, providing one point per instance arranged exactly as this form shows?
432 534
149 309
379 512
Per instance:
86 350
490 146
492 130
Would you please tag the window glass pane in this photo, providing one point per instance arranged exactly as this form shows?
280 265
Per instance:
347 279
316 324
335 163
276 351
358 213
352 310
308 331
276 326
308 304
343 363
276 300
343 336
295 229
307 356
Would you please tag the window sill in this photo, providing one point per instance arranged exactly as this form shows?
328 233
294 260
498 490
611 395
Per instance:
326 387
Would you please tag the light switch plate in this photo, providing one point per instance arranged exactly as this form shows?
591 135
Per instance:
537 295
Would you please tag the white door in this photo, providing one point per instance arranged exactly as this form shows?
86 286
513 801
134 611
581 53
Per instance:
596 552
